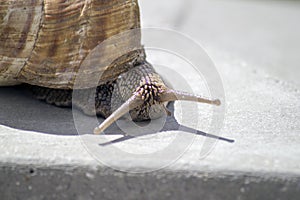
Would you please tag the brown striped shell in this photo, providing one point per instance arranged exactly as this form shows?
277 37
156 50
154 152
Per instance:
44 42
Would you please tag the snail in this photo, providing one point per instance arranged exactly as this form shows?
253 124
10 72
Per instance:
44 44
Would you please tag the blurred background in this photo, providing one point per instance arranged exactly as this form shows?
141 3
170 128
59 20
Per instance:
262 34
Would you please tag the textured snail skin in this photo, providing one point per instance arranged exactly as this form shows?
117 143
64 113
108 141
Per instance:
142 80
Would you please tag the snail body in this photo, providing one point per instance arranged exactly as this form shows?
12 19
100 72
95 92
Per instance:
44 44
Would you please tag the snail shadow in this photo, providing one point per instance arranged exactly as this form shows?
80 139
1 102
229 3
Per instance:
21 111
171 124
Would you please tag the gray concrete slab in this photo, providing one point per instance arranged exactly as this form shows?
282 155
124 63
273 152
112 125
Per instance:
43 157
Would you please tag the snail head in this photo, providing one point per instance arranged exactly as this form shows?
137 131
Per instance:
146 96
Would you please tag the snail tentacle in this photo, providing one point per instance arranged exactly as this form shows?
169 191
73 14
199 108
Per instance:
173 95
130 104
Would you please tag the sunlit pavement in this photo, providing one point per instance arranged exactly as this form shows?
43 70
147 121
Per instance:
255 46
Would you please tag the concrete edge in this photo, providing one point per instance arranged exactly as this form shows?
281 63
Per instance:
73 182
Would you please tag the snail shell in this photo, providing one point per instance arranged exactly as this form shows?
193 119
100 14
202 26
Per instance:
44 42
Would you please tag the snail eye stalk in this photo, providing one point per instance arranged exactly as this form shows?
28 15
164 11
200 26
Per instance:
173 95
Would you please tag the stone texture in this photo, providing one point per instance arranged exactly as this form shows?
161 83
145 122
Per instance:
249 41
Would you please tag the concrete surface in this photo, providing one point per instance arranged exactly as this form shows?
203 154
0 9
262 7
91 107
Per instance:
42 157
